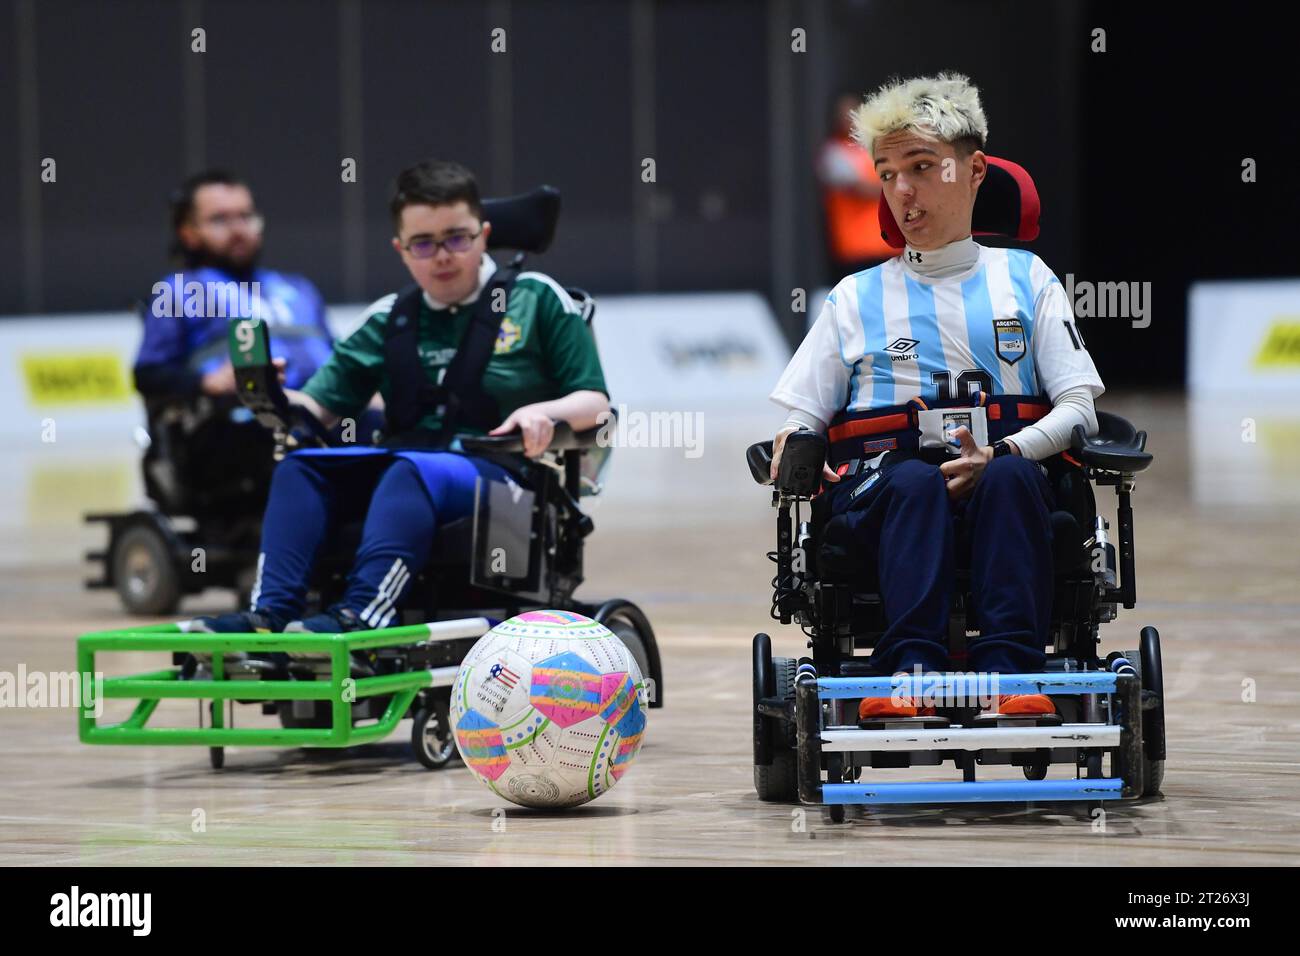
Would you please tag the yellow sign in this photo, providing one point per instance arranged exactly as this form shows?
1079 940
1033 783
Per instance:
66 379
1281 348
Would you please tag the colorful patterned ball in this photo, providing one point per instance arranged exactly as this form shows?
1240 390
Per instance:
549 709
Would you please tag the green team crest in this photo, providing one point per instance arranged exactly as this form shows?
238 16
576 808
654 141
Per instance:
508 336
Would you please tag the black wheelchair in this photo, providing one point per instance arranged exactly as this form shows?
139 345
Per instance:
536 529
1108 709
207 471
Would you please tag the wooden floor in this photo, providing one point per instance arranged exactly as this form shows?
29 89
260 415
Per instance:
685 538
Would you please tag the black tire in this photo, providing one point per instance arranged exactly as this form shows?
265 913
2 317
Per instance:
1038 769
1151 676
776 781
836 812
144 571
632 627
217 757
431 735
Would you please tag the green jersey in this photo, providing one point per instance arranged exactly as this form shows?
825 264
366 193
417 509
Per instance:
544 351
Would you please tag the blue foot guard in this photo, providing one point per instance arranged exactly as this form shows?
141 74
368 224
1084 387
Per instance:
842 750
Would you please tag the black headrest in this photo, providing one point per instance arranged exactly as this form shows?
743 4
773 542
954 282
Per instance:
525 222
1006 205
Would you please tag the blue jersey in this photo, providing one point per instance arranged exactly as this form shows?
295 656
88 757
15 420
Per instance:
187 316
888 334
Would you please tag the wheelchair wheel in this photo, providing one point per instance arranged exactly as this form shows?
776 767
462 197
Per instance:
631 626
776 773
431 735
1151 675
1037 768
144 573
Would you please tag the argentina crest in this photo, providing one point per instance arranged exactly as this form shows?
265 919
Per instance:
1010 336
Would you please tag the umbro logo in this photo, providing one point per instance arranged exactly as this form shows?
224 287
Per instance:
901 349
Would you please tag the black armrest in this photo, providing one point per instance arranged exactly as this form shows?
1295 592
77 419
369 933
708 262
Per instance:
1117 446
564 439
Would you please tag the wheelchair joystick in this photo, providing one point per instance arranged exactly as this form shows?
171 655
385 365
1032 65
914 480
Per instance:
800 471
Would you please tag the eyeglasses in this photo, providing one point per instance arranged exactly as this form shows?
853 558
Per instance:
250 220
426 247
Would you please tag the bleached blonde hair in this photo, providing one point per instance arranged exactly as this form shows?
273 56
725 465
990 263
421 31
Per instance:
946 107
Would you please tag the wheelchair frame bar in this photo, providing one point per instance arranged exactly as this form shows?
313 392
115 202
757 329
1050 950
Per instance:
989 791
969 686
848 747
340 688
968 738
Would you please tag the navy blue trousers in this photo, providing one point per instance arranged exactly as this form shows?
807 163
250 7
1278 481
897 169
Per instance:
402 503
910 534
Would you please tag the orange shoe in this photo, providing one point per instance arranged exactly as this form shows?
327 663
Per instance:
872 708
1024 705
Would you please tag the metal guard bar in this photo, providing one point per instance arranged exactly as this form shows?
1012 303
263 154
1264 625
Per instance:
812 740
153 686
966 685
990 791
967 738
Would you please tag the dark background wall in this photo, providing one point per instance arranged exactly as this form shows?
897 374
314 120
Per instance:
1136 151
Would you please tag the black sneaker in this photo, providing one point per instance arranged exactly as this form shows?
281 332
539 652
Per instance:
335 620
238 622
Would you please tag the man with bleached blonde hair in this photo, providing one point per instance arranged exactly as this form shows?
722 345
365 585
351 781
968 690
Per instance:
941 378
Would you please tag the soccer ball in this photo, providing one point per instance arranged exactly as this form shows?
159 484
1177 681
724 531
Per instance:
548 709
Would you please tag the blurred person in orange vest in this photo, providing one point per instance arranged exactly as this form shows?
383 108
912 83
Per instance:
851 196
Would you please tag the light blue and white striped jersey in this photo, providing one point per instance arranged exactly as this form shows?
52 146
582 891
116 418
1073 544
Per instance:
888 334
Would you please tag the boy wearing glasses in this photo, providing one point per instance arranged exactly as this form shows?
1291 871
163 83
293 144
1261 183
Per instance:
543 367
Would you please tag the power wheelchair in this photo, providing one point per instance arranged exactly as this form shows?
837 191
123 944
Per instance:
343 689
150 557
1108 709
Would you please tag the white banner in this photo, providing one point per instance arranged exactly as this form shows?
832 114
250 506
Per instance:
1244 336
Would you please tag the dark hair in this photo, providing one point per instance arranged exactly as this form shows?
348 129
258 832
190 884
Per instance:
181 199
966 145
434 182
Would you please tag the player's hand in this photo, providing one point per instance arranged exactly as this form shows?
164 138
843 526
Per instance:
279 364
778 445
963 472
537 428
219 381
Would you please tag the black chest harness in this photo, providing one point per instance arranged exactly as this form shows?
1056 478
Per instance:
459 396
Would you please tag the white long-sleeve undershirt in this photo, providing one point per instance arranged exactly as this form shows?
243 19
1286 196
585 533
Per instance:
1051 433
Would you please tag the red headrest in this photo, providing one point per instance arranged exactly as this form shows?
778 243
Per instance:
1006 205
